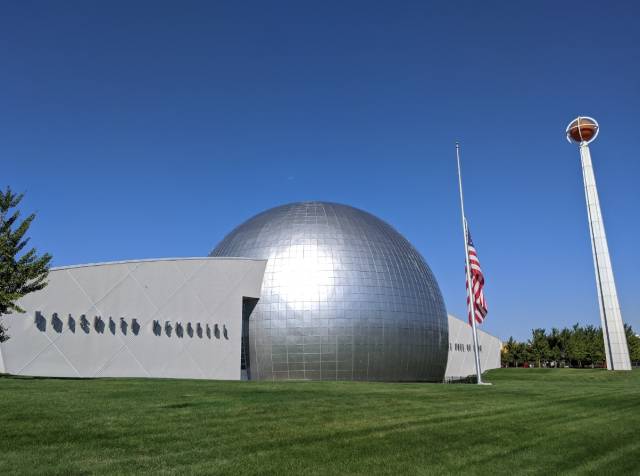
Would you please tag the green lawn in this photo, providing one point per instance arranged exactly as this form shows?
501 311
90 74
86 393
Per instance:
528 422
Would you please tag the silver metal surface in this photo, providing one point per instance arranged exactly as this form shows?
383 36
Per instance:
344 296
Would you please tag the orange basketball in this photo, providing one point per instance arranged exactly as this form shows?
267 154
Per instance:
582 129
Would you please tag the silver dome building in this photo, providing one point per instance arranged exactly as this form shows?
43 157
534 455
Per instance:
344 297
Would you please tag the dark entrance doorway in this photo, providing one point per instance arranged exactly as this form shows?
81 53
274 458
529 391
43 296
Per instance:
248 305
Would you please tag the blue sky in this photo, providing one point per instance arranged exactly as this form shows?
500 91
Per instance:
151 129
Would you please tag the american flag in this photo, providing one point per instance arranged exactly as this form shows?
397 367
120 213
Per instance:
477 283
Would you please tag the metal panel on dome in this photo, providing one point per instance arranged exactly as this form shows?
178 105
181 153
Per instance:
344 297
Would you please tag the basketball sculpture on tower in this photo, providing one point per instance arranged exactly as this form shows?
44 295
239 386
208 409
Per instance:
583 131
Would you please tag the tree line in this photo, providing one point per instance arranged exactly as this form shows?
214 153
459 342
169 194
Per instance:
570 347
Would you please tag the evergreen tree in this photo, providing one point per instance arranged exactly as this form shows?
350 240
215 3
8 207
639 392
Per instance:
21 272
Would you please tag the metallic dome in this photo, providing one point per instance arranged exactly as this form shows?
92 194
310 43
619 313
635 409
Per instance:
344 296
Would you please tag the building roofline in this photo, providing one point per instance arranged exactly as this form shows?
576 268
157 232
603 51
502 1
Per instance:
479 330
192 258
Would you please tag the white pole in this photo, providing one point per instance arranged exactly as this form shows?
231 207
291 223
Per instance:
472 312
615 339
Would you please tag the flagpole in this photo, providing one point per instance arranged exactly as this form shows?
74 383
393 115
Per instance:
472 311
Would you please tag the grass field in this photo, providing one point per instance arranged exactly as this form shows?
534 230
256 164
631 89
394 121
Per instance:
528 422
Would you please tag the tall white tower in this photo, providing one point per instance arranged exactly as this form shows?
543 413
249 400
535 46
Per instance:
583 130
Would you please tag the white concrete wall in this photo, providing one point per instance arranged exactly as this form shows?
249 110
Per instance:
461 360
58 335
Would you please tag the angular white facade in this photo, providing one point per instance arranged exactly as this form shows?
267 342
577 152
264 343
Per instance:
175 318
461 363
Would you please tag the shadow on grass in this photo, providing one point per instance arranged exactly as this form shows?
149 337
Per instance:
36 377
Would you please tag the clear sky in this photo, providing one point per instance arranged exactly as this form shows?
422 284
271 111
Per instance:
151 129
